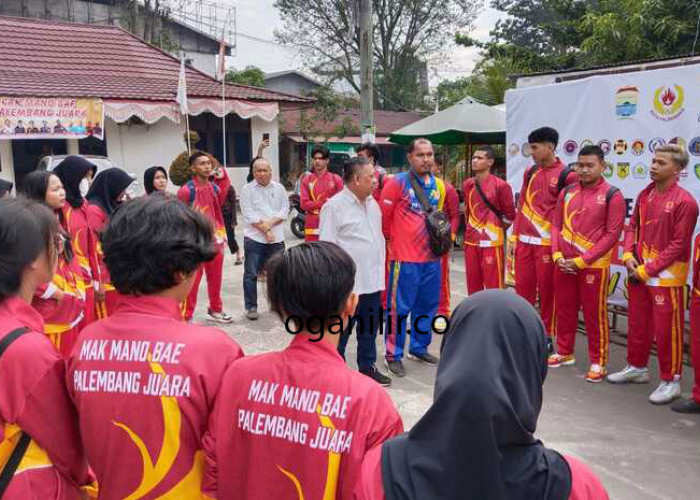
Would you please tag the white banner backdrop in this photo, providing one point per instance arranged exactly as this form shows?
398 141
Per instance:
628 115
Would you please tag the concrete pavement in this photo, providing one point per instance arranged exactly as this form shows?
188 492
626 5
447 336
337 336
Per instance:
640 452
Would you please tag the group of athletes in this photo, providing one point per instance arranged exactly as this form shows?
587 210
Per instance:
145 405
164 408
566 232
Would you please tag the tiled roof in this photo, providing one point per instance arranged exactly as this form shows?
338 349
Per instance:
55 59
386 122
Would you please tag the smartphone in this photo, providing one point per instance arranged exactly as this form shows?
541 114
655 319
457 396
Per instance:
266 136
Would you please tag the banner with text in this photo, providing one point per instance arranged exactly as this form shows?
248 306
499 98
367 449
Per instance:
50 118
627 115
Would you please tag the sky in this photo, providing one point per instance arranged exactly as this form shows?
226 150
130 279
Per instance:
256 21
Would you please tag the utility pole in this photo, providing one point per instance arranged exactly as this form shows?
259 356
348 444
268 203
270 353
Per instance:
366 86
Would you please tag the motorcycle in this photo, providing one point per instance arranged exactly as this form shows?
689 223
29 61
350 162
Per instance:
298 221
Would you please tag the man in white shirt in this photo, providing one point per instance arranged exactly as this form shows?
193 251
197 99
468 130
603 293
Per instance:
352 219
265 206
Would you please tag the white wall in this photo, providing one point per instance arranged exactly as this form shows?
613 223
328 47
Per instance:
258 127
203 62
134 148
6 163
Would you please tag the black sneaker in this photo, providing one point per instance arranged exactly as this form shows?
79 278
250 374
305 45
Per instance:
377 376
686 406
426 358
550 346
396 367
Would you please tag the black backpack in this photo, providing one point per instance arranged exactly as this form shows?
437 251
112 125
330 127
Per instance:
436 221
17 454
561 181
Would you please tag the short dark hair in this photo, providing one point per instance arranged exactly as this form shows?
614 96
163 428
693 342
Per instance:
195 155
27 229
488 150
544 134
592 150
150 239
372 149
309 281
353 166
322 150
420 140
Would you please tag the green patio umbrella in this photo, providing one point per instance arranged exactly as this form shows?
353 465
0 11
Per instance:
467 122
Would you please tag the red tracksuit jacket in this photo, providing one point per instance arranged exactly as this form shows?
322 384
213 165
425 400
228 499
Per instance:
209 201
64 315
662 226
586 228
452 206
97 219
294 424
536 204
484 229
144 383
315 192
403 221
696 270
83 241
33 398
584 484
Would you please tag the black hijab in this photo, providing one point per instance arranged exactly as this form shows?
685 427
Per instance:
149 175
107 187
476 441
71 171
5 187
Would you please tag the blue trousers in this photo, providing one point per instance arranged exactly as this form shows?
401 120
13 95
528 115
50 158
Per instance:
256 255
414 289
365 323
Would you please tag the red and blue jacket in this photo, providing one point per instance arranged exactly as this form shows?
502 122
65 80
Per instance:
403 218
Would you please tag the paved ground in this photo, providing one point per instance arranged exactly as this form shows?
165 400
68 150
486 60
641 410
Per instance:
641 452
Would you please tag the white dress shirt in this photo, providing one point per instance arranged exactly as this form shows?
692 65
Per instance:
259 203
356 227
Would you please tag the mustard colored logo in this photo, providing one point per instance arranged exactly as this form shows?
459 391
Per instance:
668 102
623 170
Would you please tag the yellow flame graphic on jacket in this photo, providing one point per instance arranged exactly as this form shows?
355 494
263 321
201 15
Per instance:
331 472
674 275
493 233
542 225
154 474
578 240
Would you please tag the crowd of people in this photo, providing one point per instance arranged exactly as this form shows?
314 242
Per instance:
101 363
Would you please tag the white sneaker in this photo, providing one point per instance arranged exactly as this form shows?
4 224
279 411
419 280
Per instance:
666 392
630 374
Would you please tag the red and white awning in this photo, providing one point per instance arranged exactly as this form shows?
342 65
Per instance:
152 111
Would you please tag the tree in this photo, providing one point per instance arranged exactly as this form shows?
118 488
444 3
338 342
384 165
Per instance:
541 34
545 35
487 84
251 76
326 108
407 33
625 30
